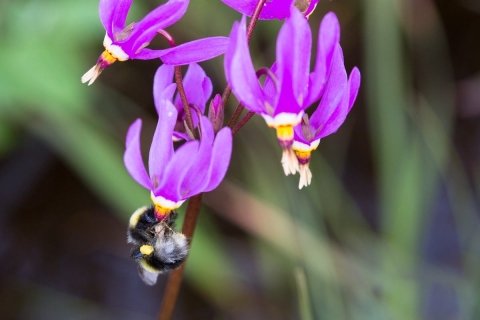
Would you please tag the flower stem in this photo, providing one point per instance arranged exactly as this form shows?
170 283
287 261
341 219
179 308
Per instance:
175 279
183 97
251 26
236 115
176 276
242 122
178 80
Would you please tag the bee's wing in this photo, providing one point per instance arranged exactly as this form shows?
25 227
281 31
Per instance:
150 278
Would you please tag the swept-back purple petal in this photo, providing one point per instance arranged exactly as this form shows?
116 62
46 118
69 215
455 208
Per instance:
340 114
240 72
198 87
221 153
162 79
328 37
336 87
354 83
180 136
294 45
176 170
197 173
336 119
120 15
105 11
207 91
269 86
160 18
161 150
195 51
133 156
159 97
275 9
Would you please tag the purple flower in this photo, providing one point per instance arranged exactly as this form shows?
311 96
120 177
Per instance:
289 87
129 42
198 89
328 117
176 175
274 9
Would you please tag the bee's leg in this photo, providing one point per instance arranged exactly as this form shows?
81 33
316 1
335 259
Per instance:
154 241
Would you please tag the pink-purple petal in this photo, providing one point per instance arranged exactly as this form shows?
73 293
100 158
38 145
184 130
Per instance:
161 17
177 136
275 9
222 151
195 51
336 87
198 87
175 171
293 62
162 79
354 86
161 150
344 106
336 119
120 15
240 71
328 37
106 10
133 156
149 54
196 174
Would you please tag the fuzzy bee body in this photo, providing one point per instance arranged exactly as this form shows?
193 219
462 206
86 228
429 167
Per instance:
158 248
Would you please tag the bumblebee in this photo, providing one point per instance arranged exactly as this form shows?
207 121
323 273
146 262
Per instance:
142 224
158 248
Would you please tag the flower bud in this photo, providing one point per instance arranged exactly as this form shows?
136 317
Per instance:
216 113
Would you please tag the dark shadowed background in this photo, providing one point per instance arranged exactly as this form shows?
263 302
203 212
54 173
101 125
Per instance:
389 228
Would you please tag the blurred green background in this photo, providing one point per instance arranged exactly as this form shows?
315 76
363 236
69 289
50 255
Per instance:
387 230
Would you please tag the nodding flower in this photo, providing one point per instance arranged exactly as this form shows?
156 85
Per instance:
176 175
327 118
129 42
289 87
273 9
198 89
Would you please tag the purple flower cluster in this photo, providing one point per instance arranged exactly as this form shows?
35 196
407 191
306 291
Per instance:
176 175
289 90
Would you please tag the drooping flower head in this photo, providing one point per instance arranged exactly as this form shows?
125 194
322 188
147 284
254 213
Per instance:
327 118
129 42
289 87
198 89
176 175
274 9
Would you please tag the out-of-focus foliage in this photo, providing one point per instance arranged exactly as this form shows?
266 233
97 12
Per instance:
387 230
